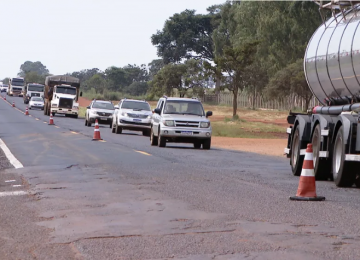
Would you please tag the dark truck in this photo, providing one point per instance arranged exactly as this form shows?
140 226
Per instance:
61 95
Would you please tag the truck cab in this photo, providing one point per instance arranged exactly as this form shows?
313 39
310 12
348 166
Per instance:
64 100
33 90
16 87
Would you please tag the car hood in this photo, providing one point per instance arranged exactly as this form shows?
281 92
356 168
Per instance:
141 112
36 102
184 117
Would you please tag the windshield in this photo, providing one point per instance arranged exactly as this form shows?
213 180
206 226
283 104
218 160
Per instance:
184 107
36 99
103 105
134 105
66 90
36 88
5 86
17 83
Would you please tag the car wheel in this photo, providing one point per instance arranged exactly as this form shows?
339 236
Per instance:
53 114
197 145
85 122
153 138
118 129
89 122
207 144
161 140
113 130
30 107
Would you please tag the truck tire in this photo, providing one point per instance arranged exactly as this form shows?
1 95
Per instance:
296 160
161 140
322 167
118 129
344 172
153 138
207 144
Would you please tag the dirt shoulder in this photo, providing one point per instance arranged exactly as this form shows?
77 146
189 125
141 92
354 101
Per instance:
274 147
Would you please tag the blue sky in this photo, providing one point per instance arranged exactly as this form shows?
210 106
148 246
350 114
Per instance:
71 35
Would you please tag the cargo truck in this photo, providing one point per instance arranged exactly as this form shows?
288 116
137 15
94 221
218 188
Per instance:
33 90
61 95
16 87
332 71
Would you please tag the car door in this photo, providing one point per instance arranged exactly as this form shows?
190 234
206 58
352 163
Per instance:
156 118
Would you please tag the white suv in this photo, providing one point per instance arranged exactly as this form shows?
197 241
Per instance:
101 110
180 120
131 114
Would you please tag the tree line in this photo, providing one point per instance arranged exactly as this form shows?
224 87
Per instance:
255 47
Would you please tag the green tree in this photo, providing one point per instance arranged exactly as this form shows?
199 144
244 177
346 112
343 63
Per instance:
186 35
29 66
154 67
97 82
137 88
288 80
34 77
233 63
6 80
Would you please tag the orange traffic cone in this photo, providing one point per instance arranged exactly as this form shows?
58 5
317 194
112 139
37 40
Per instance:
26 111
13 104
96 132
51 121
307 188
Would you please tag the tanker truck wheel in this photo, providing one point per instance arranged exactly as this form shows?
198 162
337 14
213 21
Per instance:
344 172
322 167
296 160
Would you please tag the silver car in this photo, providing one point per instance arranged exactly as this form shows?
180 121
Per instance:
101 110
36 102
180 120
131 114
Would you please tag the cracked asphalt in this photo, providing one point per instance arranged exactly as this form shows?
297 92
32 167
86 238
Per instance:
106 200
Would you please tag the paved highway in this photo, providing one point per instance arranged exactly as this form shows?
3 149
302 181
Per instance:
123 199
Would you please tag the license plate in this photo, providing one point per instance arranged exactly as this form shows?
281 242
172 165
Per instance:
186 133
137 120
103 118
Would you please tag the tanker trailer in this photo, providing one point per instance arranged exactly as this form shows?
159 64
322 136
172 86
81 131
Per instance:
332 71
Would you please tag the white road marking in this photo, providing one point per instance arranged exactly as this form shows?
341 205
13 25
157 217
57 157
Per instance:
10 181
17 185
145 153
15 162
12 193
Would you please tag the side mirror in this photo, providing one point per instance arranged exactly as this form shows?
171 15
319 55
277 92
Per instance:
81 94
208 113
88 107
157 111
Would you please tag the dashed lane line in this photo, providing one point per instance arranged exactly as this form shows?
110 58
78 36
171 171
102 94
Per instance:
10 181
12 193
57 126
145 153
75 133
17 185
12 159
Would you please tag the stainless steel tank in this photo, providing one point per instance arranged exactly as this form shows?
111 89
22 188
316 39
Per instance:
332 60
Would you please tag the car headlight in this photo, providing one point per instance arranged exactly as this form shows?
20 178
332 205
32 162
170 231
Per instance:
204 124
75 107
124 114
149 117
169 122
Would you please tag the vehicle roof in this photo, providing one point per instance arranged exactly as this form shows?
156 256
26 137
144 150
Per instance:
182 99
136 100
102 101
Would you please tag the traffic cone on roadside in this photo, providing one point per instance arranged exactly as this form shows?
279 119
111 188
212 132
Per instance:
13 104
307 188
96 132
26 111
51 121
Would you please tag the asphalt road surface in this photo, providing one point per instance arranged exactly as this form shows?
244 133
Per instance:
75 198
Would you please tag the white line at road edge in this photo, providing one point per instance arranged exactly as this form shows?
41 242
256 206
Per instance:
12 193
15 162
